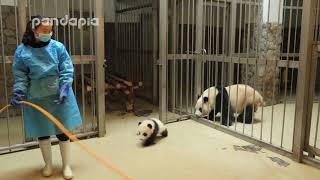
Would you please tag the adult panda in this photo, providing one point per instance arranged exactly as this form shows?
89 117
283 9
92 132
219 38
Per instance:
242 97
211 101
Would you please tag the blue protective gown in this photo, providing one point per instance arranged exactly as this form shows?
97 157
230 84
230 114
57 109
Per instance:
39 73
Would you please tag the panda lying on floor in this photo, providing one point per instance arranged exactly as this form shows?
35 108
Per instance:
150 129
242 97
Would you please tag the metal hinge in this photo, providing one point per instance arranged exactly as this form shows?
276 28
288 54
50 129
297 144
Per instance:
158 63
202 51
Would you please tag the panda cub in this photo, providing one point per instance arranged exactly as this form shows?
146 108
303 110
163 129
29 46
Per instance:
150 129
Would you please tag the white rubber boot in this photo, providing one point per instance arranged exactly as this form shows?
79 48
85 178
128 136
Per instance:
65 154
45 146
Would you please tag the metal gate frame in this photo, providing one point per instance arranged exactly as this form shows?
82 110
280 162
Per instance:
306 80
309 50
99 72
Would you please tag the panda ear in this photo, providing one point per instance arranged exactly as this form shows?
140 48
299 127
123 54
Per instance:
139 123
150 126
199 96
205 99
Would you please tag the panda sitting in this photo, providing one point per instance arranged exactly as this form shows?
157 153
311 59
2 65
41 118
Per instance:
150 129
244 100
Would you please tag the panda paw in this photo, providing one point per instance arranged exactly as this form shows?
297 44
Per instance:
145 144
226 123
164 133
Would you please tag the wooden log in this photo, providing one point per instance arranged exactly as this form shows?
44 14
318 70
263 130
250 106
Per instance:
130 99
128 83
115 83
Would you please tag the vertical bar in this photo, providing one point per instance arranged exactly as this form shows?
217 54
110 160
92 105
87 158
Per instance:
304 91
222 50
315 59
205 45
247 55
22 4
73 51
56 12
238 65
210 48
312 73
201 57
257 45
318 113
163 44
93 103
198 62
29 9
140 44
135 51
273 89
224 42
43 7
99 13
4 73
127 47
64 33
225 52
232 43
118 40
82 68
181 52
295 43
263 84
145 45
17 21
203 60
131 43
286 75
192 62
69 28
174 51
187 61
123 37
34 7
256 16
144 59
131 19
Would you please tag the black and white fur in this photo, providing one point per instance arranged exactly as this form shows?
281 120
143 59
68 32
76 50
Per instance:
223 107
244 100
150 129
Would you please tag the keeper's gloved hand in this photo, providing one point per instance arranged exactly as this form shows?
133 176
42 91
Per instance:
17 97
64 93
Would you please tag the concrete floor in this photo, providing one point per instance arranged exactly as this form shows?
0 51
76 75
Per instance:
275 125
276 117
191 151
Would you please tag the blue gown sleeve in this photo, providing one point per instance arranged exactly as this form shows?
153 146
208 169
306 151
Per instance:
20 73
65 68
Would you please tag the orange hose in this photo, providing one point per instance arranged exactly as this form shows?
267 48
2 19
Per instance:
106 163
